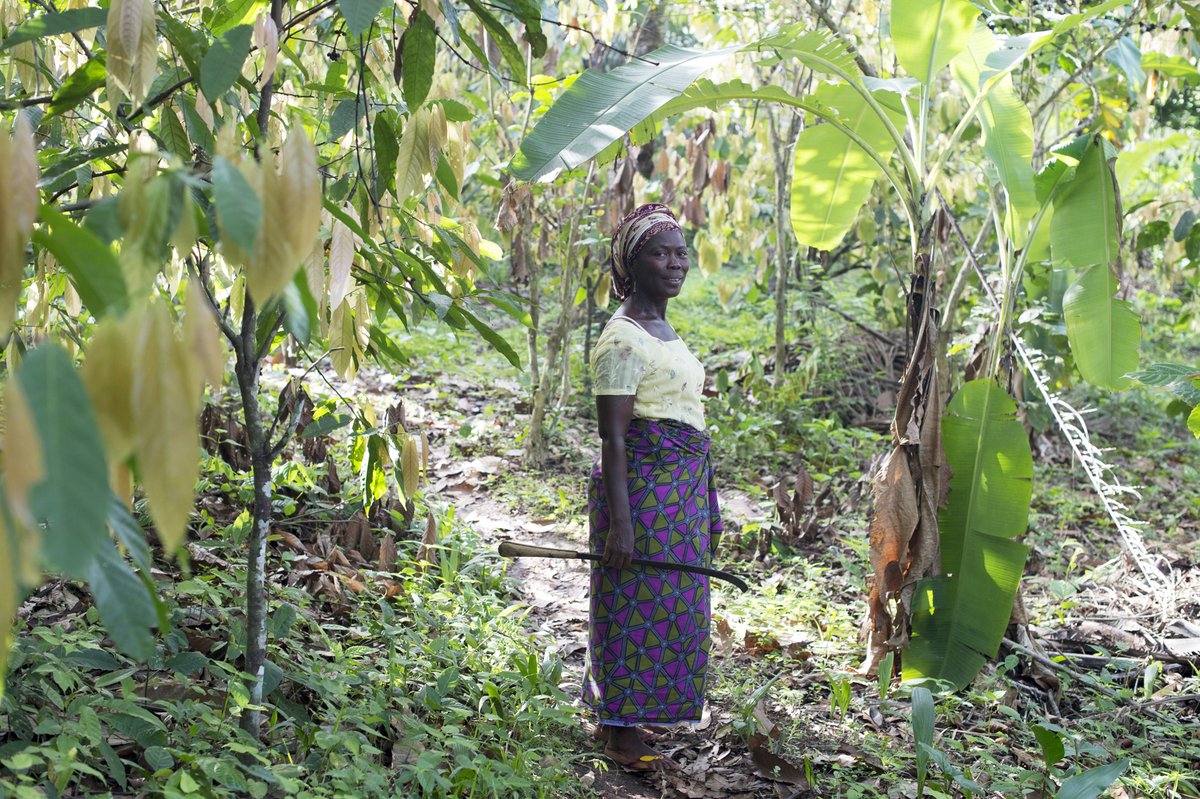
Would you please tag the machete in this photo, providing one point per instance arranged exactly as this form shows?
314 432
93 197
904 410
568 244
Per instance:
515 549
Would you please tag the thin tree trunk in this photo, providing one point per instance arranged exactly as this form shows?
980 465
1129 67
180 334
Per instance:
249 360
247 371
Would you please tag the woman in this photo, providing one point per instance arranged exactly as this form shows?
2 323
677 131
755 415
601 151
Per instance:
650 496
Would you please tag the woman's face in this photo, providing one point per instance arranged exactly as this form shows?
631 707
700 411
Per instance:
661 266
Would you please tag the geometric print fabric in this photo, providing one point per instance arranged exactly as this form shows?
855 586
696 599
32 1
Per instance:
649 629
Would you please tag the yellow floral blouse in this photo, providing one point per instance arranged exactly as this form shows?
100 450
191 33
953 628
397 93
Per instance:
664 377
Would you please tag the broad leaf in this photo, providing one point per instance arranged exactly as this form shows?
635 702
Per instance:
78 86
73 498
126 607
922 727
222 64
91 264
959 618
500 35
1007 127
166 401
359 14
237 202
601 106
1104 332
420 55
1092 782
1085 230
832 175
927 34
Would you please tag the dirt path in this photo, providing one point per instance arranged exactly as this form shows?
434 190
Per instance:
712 762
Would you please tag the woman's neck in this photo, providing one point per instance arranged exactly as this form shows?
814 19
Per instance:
645 309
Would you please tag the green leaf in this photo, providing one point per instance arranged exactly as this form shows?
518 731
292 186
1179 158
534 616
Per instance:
73 497
1006 123
125 606
420 55
1104 332
91 264
237 202
1085 230
832 175
492 337
387 147
171 134
232 13
601 106
93 659
222 64
1090 783
78 86
1126 56
300 309
1164 374
189 43
530 14
1051 743
359 14
502 38
325 425
445 176
959 618
129 533
928 34
70 21
1193 421
1174 66
343 118
922 725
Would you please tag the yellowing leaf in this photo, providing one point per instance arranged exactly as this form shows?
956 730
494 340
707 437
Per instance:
266 39
165 403
412 159
301 184
132 50
23 463
341 258
18 209
107 375
603 288
202 336
710 258
410 466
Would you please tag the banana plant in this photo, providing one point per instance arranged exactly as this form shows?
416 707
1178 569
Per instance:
870 129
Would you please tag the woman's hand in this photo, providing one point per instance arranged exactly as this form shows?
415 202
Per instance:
618 547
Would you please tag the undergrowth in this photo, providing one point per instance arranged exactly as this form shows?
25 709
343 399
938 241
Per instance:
436 692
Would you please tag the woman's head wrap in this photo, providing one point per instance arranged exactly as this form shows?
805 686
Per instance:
631 235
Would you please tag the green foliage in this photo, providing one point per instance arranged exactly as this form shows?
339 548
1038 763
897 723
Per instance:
601 105
928 35
959 618
1104 331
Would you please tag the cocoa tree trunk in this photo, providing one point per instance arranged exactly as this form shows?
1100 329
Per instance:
247 370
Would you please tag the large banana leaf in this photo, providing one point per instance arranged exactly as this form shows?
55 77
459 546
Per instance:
1104 332
1007 126
960 617
601 106
833 175
927 34
1085 230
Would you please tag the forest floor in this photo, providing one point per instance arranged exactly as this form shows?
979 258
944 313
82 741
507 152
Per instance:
443 670
790 713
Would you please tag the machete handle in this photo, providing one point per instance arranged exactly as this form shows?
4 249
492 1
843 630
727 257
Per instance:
513 549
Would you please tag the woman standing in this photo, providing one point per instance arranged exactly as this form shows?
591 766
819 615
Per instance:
650 496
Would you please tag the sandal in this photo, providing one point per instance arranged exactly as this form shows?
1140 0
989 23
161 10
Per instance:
656 762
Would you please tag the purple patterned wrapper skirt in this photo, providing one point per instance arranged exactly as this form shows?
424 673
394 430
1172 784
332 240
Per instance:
648 628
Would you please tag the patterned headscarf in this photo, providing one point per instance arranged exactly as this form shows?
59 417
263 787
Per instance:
631 235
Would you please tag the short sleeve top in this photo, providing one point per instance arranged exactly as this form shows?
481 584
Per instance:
664 377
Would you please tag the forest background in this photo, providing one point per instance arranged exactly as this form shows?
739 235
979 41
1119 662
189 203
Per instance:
297 300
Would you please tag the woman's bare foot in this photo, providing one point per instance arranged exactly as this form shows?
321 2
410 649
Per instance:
626 748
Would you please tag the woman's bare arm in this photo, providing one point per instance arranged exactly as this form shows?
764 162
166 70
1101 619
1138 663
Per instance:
614 413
